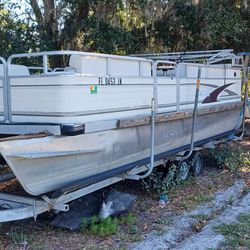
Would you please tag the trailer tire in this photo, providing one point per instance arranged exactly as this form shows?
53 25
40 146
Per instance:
183 170
197 163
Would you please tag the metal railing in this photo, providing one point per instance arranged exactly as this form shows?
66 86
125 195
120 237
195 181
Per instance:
208 57
45 56
245 60
5 90
47 70
154 111
154 65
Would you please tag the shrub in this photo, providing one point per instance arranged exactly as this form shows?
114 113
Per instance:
162 179
229 157
127 219
108 226
102 228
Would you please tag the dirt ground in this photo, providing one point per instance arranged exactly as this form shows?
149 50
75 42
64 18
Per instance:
195 228
148 215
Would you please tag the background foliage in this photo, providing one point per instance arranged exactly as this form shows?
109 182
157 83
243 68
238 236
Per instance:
123 26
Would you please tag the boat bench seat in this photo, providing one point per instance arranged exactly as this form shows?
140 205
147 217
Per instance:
16 70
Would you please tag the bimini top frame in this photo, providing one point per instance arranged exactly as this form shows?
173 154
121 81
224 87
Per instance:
206 57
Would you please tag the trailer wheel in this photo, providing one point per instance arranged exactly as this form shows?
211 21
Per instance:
183 170
197 163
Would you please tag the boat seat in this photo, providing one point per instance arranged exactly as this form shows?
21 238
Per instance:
16 70
92 65
64 71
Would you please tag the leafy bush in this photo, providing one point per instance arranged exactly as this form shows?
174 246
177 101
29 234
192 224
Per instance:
229 157
162 179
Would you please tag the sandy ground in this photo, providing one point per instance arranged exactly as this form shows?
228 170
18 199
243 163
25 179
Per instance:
195 229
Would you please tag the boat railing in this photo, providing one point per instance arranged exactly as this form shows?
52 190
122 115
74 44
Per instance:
245 80
154 111
155 82
45 56
207 57
207 53
47 71
4 89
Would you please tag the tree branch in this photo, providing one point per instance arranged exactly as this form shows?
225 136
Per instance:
82 11
36 9
49 11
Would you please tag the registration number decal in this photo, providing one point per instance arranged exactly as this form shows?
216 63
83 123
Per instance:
109 81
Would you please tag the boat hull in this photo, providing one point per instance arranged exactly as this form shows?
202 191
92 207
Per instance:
46 164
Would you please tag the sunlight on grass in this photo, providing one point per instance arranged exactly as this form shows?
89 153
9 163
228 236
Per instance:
237 234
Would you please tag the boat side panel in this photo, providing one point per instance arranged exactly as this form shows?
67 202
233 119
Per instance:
102 151
69 99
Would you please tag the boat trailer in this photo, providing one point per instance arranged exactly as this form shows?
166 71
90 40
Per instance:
17 207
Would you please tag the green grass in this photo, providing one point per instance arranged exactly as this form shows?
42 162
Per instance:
102 228
18 239
202 217
185 205
230 200
192 201
161 221
237 234
200 198
160 232
189 182
127 219
18 236
133 229
135 238
126 237
108 226
245 190
229 157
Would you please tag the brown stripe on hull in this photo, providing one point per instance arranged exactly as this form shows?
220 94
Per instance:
125 123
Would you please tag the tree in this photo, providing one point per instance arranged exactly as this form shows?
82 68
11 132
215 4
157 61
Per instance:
127 26
226 24
59 23
16 36
204 24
